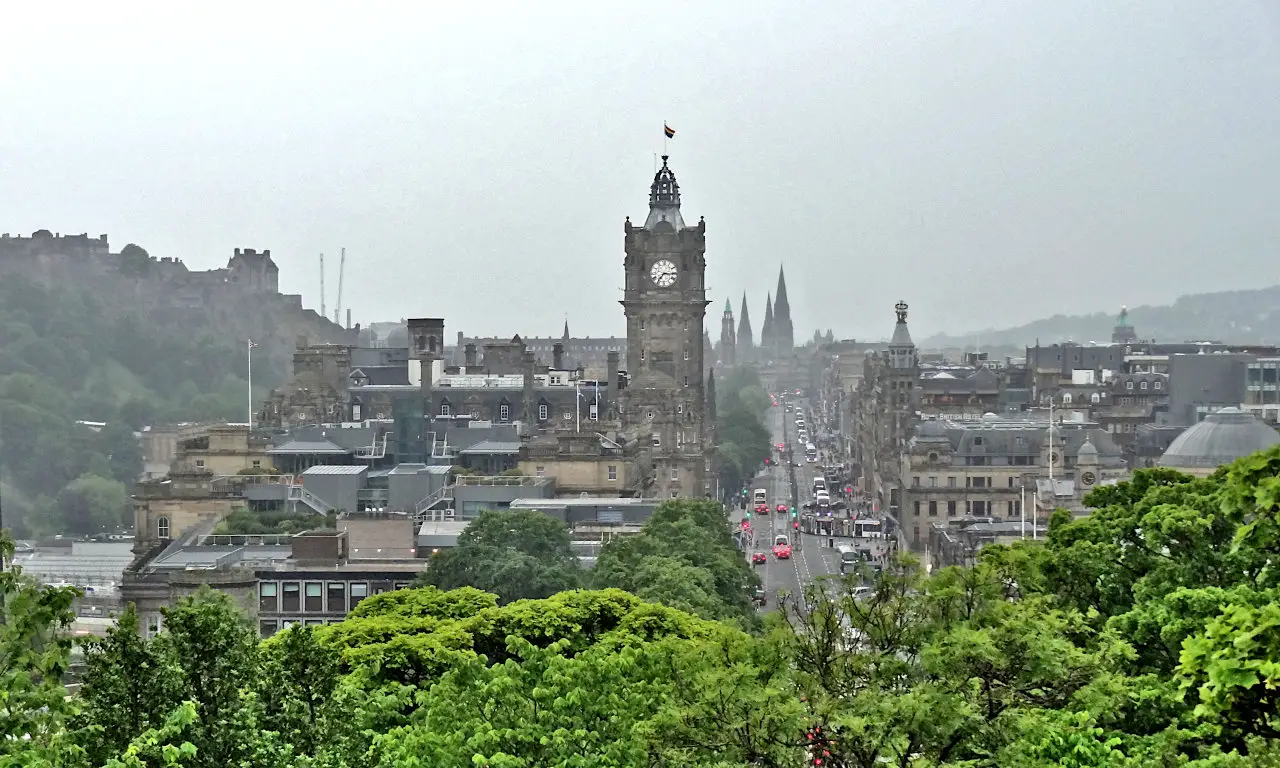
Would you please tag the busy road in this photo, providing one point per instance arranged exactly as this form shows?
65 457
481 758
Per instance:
812 556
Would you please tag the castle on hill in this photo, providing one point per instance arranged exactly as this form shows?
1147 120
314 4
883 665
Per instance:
238 302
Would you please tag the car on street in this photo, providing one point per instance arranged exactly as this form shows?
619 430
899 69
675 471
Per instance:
782 551
760 597
759 558
782 507
762 509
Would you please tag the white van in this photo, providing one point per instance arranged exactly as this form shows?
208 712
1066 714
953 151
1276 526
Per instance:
819 484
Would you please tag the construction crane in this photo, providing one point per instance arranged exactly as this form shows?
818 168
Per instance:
337 308
322 309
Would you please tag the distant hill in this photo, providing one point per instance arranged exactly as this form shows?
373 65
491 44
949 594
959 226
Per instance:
95 345
1233 317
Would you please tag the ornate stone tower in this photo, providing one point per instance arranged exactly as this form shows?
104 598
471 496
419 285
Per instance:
728 340
665 303
903 374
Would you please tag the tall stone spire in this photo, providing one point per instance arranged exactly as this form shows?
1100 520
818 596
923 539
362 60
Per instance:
565 336
728 338
746 340
767 336
784 334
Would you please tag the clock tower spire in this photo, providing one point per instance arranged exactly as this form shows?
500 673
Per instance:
665 302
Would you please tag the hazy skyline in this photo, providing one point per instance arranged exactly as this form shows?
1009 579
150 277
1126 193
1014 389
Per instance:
990 163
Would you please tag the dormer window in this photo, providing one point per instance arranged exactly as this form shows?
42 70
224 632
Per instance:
504 412
543 412
446 409
1158 385
1143 385
1129 385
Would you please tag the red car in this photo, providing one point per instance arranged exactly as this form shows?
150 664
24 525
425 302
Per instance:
782 551
762 509
758 558
782 507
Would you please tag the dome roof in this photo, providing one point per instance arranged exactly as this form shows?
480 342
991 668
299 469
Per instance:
1221 438
1088 449
931 429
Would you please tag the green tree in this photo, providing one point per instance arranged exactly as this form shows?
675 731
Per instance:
209 640
295 685
128 686
515 554
35 652
685 540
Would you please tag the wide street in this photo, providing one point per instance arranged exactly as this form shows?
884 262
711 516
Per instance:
811 558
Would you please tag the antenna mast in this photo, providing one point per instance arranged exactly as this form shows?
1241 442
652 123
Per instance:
337 308
322 308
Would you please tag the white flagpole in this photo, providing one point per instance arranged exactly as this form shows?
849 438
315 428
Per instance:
577 409
249 352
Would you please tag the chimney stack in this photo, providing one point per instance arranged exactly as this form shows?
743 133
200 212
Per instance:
469 358
557 356
612 357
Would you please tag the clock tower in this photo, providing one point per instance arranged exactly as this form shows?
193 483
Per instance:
665 302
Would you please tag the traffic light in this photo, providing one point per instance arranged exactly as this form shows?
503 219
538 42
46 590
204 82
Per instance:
795 512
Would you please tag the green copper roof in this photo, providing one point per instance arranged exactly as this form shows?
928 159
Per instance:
728 308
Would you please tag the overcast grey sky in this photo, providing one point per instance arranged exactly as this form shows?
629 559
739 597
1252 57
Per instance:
989 162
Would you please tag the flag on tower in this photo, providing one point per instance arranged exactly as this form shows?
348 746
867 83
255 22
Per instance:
669 131
253 344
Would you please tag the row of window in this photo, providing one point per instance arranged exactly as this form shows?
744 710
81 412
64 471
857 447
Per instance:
504 412
973 508
315 596
969 482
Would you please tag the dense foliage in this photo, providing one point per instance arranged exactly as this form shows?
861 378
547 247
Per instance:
64 359
742 439
514 554
684 557
1145 635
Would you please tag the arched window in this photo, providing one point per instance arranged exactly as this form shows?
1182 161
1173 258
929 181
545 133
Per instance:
162 527
1097 398
446 409
1066 398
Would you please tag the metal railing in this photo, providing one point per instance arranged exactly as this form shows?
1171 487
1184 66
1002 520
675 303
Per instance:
507 481
247 540
377 450
298 493
432 501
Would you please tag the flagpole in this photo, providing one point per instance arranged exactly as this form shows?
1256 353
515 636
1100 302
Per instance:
248 349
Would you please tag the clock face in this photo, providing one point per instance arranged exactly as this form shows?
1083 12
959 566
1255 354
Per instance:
663 274
1087 478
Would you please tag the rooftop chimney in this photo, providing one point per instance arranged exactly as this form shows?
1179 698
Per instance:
612 357
469 360
557 356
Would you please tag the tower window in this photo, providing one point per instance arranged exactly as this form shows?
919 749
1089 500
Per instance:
162 527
